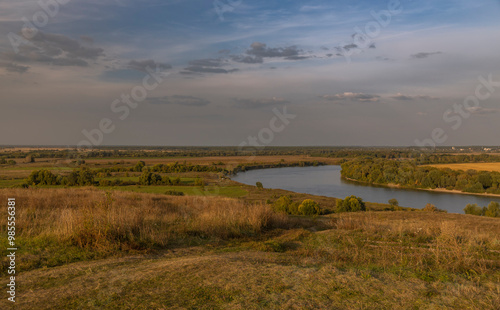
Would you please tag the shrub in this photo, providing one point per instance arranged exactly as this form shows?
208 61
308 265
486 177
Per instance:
474 209
493 209
259 185
309 207
174 193
350 204
394 202
282 204
431 208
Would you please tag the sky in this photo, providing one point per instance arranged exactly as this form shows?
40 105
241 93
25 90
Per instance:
240 72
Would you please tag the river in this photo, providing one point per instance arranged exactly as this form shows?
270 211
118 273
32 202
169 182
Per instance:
326 181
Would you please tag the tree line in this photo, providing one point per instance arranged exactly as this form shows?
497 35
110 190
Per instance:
410 175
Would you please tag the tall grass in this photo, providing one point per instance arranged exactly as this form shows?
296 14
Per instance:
120 221
419 242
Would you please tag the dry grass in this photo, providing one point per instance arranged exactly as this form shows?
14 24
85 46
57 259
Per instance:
371 260
107 223
473 166
423 243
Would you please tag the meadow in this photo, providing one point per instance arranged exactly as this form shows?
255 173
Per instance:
222 245
87 248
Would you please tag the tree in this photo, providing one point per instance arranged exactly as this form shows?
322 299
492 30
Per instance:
259 185
485 179
138 167
309 207
394 202
430 208
282 204
493 209
474 209
350 204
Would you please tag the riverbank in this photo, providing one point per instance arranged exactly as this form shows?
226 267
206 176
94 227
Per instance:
438 190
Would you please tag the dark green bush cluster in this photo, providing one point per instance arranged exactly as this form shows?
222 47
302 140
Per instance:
286 205
174 193
82 177
4 161
149 178
350 204
493 209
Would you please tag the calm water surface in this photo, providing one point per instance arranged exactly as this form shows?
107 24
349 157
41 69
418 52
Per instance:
326 181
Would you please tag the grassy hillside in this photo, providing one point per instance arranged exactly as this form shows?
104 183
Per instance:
85 249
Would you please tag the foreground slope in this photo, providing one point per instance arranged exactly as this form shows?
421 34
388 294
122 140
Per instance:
139 251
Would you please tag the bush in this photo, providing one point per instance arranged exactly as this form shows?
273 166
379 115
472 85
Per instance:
432 208
174 193
350 204
309 207
493 210
282 204
259 185
394 202
474 209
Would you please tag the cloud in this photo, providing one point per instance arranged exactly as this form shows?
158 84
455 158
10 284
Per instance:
58 43
353 97
297 57
199 69
258 103
86 39
12 67
350 46
261 50
141 65
54 49
207 65
248 59
402 97
207 62
180 100
422 55
481 110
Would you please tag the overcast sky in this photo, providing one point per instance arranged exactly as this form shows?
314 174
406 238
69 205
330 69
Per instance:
352 72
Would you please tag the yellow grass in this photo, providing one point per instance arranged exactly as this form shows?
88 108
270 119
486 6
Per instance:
473 166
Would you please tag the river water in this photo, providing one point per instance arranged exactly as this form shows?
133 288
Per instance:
326 181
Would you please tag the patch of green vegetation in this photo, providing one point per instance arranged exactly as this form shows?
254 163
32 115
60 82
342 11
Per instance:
10 183
225 191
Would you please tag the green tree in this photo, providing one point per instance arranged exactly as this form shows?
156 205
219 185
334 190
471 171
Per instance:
350 204
309 207
138 167
394 202
493 209
485 179
282 204
259 185
473 209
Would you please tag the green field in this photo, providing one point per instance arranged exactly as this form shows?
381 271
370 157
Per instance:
226 191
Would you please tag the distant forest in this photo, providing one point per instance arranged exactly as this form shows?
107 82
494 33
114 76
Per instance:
410 174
